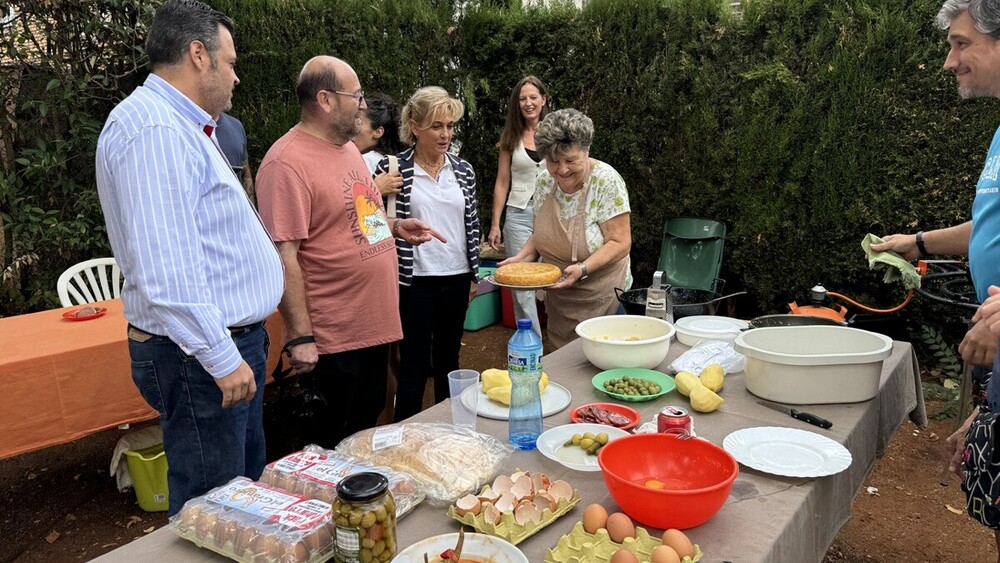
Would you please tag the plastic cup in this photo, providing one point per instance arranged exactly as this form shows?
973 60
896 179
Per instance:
463 414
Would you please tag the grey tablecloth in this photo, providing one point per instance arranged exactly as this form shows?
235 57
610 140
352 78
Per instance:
766 518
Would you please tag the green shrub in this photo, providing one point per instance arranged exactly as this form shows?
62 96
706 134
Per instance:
803 125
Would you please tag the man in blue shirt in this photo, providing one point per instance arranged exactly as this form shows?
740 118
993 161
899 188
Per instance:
232 138
201 273
974 56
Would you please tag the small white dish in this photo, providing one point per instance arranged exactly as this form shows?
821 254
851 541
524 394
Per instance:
550 444
555 398
480 547
694 329
789 452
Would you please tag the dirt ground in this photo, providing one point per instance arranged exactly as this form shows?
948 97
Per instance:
59 504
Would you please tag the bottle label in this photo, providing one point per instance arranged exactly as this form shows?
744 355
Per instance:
523 362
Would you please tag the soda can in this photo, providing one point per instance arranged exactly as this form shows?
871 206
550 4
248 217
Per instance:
673 420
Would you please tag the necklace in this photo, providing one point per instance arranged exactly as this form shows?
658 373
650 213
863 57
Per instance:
430 168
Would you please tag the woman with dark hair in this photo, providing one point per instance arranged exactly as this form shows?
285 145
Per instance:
516 171
379 136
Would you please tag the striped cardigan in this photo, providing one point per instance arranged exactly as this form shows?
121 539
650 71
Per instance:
466 177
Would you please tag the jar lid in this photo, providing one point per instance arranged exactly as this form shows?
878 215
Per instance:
362 486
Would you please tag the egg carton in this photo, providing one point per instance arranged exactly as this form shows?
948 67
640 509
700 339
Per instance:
508 528
578 546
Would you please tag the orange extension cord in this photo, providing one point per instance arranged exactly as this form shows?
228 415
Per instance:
909 296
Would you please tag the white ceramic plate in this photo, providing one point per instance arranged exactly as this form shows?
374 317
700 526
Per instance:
479 546
554 399
789 452
490 278
550 444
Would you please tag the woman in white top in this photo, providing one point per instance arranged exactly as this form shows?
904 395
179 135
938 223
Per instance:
436 281
379 136
517 168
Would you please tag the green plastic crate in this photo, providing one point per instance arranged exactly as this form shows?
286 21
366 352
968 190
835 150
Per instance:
483 311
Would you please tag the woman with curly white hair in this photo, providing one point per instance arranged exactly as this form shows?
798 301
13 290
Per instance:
581 225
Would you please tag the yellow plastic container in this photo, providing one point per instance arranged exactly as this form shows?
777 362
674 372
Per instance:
148 468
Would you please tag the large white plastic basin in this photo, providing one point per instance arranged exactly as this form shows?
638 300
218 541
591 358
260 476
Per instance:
606 346
803 365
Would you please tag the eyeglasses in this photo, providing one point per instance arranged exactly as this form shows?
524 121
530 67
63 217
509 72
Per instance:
357 96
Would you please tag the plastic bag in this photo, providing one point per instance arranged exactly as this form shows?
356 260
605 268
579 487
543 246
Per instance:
315 472
708 352
250 521
447 461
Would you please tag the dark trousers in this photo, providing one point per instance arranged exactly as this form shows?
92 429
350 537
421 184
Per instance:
353 384
206 445
432 310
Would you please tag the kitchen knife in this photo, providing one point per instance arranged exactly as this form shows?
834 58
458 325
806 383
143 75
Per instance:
803 416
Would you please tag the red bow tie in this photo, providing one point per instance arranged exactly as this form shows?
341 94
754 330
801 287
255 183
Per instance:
209 129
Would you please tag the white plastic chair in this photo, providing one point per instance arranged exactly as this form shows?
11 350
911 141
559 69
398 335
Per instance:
89 281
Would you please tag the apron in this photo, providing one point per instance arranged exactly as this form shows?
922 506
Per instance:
563 245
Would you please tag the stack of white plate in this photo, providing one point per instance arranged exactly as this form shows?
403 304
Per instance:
692 330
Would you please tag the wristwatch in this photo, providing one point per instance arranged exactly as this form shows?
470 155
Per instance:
920 244
583 270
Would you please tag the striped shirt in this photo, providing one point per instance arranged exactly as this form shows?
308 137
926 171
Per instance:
195 256
466 177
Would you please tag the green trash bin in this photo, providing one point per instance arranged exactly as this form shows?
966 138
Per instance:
148 469
691 252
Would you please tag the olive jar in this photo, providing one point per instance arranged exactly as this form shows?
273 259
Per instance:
365 516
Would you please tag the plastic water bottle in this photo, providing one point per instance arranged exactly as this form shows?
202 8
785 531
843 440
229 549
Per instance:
524 365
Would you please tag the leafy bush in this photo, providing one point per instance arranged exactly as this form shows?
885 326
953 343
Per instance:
803 125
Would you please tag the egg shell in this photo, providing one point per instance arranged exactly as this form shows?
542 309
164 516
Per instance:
619 527
595 517
679 542
623 556
664 554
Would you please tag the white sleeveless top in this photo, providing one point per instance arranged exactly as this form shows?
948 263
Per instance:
523 172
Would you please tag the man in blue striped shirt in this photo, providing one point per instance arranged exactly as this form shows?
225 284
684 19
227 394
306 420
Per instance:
201 273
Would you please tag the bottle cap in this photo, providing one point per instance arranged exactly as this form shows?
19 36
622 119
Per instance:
362 486
524 324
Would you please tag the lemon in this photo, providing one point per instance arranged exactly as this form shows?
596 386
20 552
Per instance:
704 400
686 381
501 393
712 377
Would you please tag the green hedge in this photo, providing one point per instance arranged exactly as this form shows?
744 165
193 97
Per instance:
803 125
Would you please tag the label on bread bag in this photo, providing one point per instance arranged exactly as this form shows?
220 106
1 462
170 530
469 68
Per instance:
386 436
272 504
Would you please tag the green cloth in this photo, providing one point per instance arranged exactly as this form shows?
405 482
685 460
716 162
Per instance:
896 267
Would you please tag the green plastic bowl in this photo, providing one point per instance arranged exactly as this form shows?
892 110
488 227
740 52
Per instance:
665 382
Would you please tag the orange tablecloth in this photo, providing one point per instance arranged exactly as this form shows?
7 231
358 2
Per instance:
61 380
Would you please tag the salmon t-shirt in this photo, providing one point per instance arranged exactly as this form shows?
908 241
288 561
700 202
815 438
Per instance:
320 193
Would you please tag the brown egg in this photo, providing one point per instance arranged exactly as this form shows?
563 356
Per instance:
594 518
623 556
206 525
189 518
679 542
664 554
620 527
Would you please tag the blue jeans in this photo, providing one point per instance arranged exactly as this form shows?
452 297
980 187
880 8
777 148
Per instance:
516 230
206 445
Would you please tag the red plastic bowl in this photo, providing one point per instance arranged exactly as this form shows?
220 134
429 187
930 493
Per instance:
628 412
697 477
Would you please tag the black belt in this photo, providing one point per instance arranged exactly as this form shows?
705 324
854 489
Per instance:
233 330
